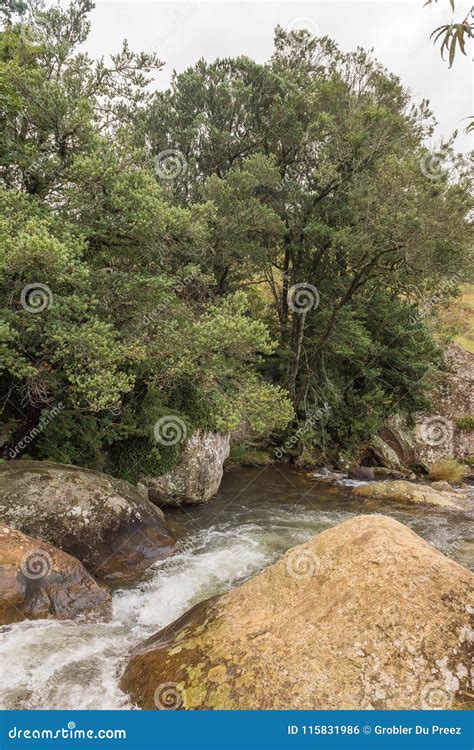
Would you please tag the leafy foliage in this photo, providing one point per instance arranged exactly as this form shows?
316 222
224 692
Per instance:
158 296
465 423
453 36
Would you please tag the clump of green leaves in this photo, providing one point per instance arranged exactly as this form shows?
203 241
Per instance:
465 423
454 35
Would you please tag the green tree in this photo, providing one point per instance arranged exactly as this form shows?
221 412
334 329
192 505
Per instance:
362 202
109 309
253 232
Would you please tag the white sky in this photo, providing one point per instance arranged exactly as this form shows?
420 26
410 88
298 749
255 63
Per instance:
182 32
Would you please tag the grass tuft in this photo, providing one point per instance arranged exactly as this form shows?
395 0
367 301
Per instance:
465 423
447 470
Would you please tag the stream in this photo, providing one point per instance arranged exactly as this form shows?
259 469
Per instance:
258 514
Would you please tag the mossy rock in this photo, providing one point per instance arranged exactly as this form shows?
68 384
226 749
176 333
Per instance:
401 491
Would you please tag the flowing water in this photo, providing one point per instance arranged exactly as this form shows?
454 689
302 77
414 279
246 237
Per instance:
258 514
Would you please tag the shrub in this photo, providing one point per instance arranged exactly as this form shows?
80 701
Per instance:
246 455
139 457
447 470
465 423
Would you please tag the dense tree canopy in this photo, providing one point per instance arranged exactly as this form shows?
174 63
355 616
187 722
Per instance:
240 250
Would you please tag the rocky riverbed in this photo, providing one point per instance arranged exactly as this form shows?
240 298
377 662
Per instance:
257 515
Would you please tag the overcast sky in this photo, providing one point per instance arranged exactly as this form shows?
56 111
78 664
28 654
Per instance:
182 32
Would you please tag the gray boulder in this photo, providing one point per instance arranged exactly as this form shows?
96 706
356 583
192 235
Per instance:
198 475
395 445
103 521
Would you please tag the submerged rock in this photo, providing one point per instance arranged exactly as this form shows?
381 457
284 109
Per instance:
442 486
364 473
103 521
364 615
326 476
407 492
383 471
39 581
198 476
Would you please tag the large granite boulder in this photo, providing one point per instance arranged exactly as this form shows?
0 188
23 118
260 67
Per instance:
39 581
103 521
394 447
365 615
400 491
198 476
438 433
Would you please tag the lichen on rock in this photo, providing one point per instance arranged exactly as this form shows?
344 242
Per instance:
196 479
380 620
103 521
